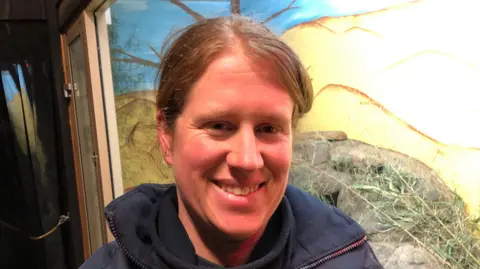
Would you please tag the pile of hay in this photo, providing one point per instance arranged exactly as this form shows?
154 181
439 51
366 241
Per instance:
440 224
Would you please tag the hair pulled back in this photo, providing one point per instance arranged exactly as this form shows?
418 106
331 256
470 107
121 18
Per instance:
189 52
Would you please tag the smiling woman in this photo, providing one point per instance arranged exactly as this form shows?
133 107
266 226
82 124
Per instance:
229 96
219 157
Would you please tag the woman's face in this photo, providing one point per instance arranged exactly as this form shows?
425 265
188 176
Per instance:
231 147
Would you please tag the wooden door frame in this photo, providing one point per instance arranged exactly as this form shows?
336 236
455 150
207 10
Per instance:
84 28
97 9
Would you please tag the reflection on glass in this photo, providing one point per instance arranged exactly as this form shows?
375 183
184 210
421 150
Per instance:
16 106
87 153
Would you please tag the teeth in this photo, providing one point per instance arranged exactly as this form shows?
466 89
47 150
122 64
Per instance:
239 190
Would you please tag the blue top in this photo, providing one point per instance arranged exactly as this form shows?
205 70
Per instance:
304 233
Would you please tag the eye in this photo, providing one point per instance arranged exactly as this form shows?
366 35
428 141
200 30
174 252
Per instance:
267 129
221 127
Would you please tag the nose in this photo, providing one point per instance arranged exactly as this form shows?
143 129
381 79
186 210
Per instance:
244 153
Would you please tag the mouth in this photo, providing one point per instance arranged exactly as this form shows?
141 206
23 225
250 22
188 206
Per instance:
239 190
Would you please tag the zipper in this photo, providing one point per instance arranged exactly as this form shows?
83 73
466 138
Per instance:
111 223
335 254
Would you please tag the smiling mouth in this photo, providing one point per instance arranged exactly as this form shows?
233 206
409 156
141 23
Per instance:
238 190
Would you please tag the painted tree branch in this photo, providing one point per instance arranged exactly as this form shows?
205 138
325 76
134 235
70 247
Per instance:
273 16
133 59
155 51
235 7
188 10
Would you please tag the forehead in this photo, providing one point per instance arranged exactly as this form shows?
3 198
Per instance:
237 63
232 82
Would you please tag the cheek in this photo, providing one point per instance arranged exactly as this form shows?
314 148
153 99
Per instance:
277 159
196 155
192 158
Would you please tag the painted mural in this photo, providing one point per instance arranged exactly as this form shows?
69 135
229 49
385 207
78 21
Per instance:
402 75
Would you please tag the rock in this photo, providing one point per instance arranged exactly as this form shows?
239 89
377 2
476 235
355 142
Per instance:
369 157
405 256
318 180
357 208
315 152
324 135
398 194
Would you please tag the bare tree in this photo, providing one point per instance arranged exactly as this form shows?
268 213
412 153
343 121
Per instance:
132 58
188 10
273 16
235 7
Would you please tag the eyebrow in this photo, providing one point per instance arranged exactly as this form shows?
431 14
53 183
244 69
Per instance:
267 114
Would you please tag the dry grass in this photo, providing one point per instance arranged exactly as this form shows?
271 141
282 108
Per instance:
439 225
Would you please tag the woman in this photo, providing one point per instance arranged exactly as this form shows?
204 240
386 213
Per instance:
229 97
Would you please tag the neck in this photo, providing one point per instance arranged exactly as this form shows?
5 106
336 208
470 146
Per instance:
215 247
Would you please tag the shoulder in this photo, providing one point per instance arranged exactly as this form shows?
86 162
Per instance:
362 256
309 210
106 257
321 229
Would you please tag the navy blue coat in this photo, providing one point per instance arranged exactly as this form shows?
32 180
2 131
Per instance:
318 236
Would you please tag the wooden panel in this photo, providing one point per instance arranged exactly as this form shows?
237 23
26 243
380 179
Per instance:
71 230
4 9
75 150
84 29
99 116
27 10
30 32
22 10
69 11
109 98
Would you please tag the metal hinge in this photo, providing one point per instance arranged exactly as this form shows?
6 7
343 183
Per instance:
67 90
95 158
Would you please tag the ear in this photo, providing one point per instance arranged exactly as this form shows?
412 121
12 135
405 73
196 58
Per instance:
164 137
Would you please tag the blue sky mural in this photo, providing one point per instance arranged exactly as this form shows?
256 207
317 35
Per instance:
138 24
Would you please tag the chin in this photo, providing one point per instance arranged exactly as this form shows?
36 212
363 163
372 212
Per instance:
241 228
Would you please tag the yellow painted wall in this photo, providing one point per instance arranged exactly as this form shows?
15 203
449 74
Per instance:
406 78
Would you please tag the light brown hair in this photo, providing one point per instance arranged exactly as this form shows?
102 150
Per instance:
188 53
